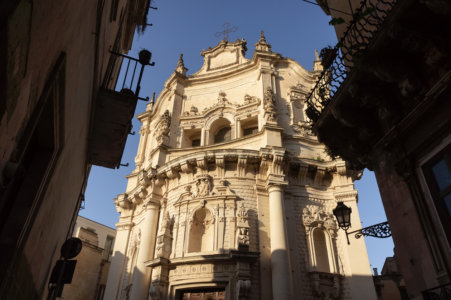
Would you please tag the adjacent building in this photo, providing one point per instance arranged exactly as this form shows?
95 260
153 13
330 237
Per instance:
232 195
93 262
383 103
59 114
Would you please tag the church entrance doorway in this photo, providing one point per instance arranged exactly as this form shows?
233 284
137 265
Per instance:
203 294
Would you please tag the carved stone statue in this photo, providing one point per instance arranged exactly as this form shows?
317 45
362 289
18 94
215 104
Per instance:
269 105
203 186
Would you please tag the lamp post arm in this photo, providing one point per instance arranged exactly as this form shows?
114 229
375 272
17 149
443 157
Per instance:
381 230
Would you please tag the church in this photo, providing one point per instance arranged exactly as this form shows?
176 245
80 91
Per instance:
232 195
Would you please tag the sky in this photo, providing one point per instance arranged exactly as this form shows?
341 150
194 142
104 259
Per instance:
293 28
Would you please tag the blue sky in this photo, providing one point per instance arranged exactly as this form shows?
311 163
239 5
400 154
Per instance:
293 28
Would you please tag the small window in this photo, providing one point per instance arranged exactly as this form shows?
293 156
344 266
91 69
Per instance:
437 172
195 143
249 131
108 249
113 11
223 135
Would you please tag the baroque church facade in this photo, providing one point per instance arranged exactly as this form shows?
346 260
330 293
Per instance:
232 195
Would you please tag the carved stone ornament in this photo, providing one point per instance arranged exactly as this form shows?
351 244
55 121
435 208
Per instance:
315 216
303 128
250 99
163 125
193 111
325 285
222 98
242 228
269 105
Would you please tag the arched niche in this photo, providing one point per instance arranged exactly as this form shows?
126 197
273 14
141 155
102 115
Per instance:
321 232
321 251
201 234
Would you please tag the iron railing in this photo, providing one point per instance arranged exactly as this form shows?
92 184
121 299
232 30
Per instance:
442 292
340 60
126 80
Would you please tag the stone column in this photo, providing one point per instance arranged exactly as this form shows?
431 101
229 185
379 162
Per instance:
141 276
280 267
118 261
238 129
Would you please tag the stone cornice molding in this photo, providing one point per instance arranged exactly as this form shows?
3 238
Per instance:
346 196
124 226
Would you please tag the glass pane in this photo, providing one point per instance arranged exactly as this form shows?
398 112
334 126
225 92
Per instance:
447 200
442 174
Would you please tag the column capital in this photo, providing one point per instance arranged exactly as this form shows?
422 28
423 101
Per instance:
275 182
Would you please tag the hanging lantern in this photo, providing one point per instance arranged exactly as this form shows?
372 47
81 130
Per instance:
343 215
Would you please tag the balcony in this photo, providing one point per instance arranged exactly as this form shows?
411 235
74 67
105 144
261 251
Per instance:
442 292
389 71
114 110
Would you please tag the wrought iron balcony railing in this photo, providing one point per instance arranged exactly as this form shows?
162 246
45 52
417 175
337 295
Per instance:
341 59
442 292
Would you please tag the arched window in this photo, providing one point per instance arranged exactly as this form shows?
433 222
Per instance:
219 131
223 135
321 253
201 231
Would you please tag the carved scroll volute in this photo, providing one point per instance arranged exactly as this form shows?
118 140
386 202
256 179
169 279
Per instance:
319 175
241 166
186 167
303 169
202 164
173 172
264 164
219 160
278 162
122 203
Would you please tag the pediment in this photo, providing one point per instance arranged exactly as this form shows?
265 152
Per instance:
223 56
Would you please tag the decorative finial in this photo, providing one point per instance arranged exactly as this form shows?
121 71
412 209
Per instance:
262 37
316 55
181 66
317 64
262 45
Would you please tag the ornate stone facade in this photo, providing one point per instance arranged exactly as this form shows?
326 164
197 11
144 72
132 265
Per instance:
233 193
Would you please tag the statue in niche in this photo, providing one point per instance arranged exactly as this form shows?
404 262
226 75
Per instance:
203 186
269 105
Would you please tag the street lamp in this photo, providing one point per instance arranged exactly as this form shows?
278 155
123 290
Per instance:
343 215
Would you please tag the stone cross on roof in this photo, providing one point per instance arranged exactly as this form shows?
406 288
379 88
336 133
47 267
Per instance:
226 31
